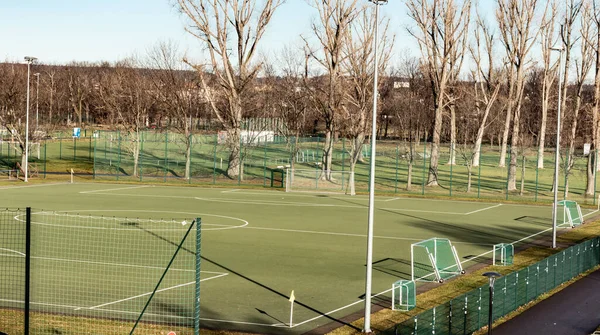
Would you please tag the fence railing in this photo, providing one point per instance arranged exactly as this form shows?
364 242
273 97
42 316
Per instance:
78 269
469 312
401 167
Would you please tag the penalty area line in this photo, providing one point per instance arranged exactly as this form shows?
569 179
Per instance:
115 189
483 209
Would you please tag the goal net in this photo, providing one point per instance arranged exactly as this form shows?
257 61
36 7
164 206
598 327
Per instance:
316 180
503 254
571 213
404 295
434 259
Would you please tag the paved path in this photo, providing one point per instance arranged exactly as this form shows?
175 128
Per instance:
573 311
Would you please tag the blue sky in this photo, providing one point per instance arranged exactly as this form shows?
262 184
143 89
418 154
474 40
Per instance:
60 31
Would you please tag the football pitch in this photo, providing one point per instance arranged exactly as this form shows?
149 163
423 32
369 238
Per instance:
257 246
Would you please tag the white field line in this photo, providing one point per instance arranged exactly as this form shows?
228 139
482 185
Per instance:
12 252
483 209
115 264
230 191
279 203
40 303
115 189
143 295
590 213
306 204
421 211
393 199
158 291
348 234
28 186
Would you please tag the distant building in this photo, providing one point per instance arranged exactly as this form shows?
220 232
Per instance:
401 84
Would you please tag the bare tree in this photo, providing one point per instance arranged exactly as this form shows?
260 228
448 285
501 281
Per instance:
178 93
293 102
515 19
583 68
328 94
358 65
591 14
549 73
230 31
126 92
487 85
12 104
441 28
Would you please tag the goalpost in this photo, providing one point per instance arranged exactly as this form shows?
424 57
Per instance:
314 180
503 254
434 259
571 213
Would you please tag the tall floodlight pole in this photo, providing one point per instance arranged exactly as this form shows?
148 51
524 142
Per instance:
30 60
369 275
557 150
37 101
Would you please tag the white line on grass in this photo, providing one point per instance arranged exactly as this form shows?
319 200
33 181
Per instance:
39 303
278 203
117 264
393 199
420 211
590 213
115 189
230 191
140 295
348 234
13 252
483 209
28 186
149 293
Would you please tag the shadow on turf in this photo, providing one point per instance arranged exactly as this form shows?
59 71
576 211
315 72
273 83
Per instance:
393 267
244 277
487 234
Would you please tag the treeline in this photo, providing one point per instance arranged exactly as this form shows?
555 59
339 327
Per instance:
474 81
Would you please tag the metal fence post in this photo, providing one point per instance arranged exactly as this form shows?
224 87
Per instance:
396 182
197 288
451 165
27 267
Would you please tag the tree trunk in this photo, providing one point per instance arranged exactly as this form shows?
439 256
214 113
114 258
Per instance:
233 168
504 147
327 153
409 176
188 156
591 173
435 149
542 138
351 187
522 177
469 177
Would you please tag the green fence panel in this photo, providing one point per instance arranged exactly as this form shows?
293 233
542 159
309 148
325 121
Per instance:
469 312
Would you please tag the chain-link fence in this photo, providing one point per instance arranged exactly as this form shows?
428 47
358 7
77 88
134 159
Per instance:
469 312
401 167
97 274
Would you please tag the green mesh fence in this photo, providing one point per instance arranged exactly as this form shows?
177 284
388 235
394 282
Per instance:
13 275
101 274
401 167
469 312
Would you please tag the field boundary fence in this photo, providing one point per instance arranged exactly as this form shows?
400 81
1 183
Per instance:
469 312
101 274
401 167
